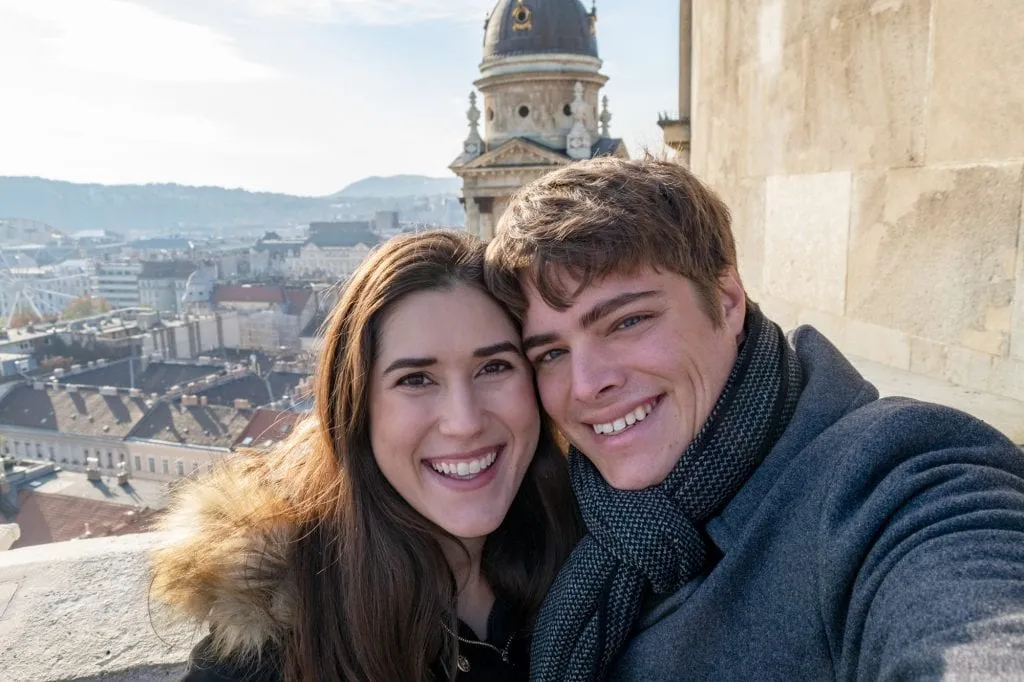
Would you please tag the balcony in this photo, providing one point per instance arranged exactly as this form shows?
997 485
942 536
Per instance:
676 131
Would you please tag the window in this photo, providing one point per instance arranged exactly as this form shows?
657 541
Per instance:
110 459
209 467
17 447
152 465
51 454
166 467
195 467
567 110
138 463
39 450
524 111
181 468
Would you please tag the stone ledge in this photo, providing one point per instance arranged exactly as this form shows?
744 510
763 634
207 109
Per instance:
79 611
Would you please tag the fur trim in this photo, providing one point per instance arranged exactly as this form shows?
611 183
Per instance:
225 560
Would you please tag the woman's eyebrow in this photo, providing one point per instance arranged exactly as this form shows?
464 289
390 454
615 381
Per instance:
496 348
407 363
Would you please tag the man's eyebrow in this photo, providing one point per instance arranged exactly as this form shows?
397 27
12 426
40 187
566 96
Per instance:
495 349
531 342
410 363
610 305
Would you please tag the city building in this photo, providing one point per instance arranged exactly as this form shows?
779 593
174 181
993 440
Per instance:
162 284
117 282
270 316
193 335
333 250
541 82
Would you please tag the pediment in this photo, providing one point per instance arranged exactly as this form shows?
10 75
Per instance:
518 152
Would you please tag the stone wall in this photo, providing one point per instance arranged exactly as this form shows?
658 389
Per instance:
79 611
872 152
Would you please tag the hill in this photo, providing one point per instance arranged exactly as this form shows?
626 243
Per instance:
135 209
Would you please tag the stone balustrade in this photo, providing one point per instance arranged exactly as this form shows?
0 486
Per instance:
79 611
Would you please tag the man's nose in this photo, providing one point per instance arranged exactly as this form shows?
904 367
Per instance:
462 415
594 374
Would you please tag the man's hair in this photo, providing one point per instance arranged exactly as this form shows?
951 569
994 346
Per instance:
609 216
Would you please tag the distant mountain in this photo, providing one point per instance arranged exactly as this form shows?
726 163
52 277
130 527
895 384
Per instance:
133 209
376 187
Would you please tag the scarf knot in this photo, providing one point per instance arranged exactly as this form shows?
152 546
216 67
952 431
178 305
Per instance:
652 540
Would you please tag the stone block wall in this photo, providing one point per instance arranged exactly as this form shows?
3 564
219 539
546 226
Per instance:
872 153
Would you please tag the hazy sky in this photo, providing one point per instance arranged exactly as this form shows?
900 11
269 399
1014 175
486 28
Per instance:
298 96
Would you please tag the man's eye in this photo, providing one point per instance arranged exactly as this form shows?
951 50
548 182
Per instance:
548 356
417 379
631 321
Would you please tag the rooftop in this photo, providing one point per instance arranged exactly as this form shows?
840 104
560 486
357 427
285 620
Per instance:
158 377
48 517
167 269
521 27
214 426
83 412
267 427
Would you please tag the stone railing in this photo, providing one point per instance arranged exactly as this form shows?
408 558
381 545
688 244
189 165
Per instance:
79 611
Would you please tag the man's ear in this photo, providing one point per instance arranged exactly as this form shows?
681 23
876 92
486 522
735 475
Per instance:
733 301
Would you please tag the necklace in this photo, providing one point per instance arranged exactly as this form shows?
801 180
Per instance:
463 662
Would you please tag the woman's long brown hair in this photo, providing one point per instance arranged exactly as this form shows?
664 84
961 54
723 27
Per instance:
373 584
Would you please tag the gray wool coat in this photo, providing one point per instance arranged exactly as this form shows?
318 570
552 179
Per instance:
879 540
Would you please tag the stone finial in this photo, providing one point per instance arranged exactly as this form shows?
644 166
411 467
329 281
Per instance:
474 144
606 117
578 142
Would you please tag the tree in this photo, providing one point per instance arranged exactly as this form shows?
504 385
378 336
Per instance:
85 306
22 318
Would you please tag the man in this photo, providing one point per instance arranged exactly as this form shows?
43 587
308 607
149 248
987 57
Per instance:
753 509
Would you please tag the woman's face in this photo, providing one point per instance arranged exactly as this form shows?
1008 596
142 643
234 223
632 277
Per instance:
454 421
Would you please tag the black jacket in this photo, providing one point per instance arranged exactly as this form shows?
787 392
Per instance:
502 657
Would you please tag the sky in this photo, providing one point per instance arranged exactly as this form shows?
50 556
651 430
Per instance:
295 96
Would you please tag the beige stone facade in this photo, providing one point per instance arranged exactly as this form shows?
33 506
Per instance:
872 153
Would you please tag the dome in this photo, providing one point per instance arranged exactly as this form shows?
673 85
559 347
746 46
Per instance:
518 27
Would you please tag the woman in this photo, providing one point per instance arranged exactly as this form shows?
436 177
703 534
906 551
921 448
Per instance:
410 527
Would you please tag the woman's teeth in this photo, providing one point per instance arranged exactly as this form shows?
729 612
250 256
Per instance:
625 421
465 468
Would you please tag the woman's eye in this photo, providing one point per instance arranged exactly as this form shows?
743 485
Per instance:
417 379
496 367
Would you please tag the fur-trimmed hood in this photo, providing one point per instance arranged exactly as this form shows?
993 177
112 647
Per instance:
224 562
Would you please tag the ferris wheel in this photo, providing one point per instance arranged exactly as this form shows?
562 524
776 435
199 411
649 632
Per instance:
45 295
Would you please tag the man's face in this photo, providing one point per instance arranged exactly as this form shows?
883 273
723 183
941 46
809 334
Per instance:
631 370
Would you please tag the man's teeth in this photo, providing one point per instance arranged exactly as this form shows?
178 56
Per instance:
625 421
465 469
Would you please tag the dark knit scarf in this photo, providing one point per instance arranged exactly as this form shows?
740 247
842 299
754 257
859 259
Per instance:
653 538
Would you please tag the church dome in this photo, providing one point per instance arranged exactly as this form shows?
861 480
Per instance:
520 27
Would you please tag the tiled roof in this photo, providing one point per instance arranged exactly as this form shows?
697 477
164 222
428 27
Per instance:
84 412
167 269
283 383
257 390
297 298
44 518
266 427
312 329
158 377
246 387
249 293
206 425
